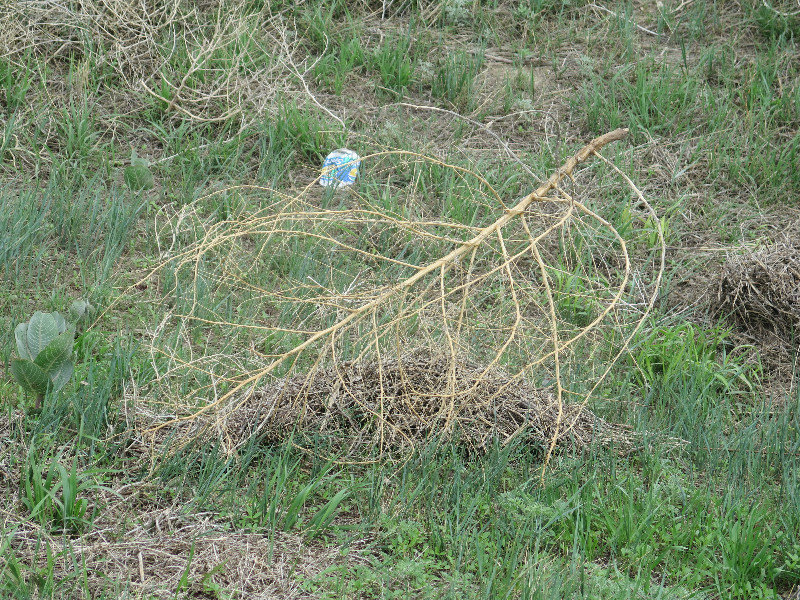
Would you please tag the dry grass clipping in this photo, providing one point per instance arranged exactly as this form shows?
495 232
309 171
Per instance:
168 550
537 295
762 289
399 403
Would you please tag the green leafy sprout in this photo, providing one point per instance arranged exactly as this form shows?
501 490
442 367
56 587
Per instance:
138 175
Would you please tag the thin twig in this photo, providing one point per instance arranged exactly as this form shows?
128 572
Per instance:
617 15
781 13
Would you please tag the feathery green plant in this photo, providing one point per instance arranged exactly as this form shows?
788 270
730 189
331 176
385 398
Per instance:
52 494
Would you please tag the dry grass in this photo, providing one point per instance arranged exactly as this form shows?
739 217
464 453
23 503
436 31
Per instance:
158 55
166 549
145 542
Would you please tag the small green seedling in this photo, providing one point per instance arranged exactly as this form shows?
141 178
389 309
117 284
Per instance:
138 176
45 347
80 313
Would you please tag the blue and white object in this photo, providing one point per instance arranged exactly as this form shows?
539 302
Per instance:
340 168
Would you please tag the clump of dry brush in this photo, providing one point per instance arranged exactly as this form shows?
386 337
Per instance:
400 403
761 291
762 288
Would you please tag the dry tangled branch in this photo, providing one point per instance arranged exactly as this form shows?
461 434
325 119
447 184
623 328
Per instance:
330 300
127 35
163 53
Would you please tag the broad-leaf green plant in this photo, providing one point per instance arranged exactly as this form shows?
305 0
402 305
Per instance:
45 346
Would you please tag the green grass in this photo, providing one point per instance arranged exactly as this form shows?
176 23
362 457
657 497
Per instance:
707 505
394 64
454 80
